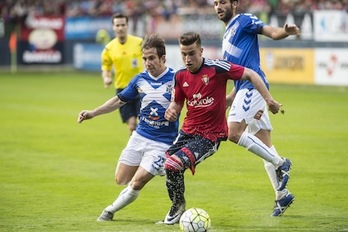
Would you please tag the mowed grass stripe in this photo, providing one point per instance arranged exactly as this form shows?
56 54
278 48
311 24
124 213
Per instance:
57 175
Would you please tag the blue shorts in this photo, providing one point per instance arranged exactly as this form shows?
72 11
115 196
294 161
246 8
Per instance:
130 109
192 149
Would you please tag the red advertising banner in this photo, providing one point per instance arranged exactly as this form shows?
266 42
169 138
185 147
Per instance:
42 40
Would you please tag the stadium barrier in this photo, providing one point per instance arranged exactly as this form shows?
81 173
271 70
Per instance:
320 66
318 56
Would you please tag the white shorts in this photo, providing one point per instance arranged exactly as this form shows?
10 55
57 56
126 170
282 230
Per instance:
146 153
246 106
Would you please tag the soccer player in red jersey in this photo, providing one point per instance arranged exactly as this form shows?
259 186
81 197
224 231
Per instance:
202 84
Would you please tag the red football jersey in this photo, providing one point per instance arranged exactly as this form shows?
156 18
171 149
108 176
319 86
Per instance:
205 95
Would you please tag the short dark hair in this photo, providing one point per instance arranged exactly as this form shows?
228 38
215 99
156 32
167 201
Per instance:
190 38
154 41
119 16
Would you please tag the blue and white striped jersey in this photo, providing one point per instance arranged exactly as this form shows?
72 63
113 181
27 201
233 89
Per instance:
240 45
155 96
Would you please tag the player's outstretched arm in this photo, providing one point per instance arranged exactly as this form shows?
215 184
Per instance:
84 115
254 78
109 106
292 29
277 33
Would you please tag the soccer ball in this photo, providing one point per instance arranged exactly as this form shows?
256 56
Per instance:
194 220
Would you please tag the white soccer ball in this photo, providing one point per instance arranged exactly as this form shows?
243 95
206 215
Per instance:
194 220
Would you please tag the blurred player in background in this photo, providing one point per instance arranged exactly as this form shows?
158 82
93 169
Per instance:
123 53
144 156
202 84
248 121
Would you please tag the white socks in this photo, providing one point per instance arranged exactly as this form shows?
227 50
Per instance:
256 146
270 157
271 171
127 196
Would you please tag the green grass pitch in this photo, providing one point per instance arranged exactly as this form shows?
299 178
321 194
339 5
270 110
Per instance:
57 175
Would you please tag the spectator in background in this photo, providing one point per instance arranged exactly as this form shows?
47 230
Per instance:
74 8
123 53
135 10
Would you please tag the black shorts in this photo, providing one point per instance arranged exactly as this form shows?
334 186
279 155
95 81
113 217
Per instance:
192 149
130 109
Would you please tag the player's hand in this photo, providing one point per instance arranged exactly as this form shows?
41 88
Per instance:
171 115
292 29
107 81
84 115
274 106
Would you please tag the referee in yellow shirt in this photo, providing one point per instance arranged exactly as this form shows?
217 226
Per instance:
123 53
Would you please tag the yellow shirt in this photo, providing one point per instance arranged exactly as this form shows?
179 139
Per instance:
125 58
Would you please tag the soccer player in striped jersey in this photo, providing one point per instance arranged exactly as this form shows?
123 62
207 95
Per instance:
202 85
248 121
144 156
123 54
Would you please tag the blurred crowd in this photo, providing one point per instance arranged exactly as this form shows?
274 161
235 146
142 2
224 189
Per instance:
14 9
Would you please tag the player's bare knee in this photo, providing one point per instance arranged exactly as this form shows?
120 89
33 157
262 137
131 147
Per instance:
121 181
137 184
233 137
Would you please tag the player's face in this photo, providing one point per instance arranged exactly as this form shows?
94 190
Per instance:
120 27
224 9
154 65
192 56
